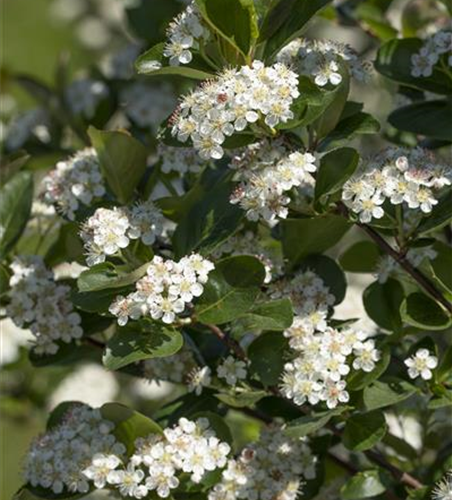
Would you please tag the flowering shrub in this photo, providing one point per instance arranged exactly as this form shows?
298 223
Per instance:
202 216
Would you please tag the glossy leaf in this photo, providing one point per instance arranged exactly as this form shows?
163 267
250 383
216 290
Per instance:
105 276
363 431
309 424
362 257
273 315
383 394
266 354
122 160
382 303
421 311
231 290
314 235
365 484
131 344
15 207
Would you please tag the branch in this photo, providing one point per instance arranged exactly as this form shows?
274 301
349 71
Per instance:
403 477
94 342
422 280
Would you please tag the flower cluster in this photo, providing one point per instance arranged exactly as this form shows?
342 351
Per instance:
173 368
165 290
387 266
268 173
271 468
147 105
324 355
423 62
322 59
411 177
180 160
109 230
443 488
230 102
84 95
32 123
421 364
191 447
41 304
77 180
63 458
185 33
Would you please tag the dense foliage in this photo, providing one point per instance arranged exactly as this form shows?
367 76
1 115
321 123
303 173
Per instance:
213 187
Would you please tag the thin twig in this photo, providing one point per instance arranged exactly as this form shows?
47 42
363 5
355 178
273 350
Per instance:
401 259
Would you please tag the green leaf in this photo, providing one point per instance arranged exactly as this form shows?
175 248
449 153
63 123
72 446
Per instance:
16 197
241 399
394 62
430 118
306 236
129 424
362 257
105 276
146 65
421 311
12 163
144 341
365 430
231 290
234 20
348 129
309 424
122 160
285 21
365 484
444 371
330 272
441 265
335 169
67 354
98 301
382 303
4 279
359 379
274 315
266 354
439 216
29 492
211 219
382 394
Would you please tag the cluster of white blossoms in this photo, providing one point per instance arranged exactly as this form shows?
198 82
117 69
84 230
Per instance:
267 174
63 458
180 160
185 34
272 468
165 290
322 59
421 364
73 182
231 101
84 95
411 177
191 447
42 305
248 243
387 266
34 123
108 231
324 355
147 105
433 48
175 368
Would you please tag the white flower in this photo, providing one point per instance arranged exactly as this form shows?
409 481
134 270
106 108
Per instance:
100 468
198 379
423 62
128 481
443 488
334 393
421 364
145 222
366 356
232 370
